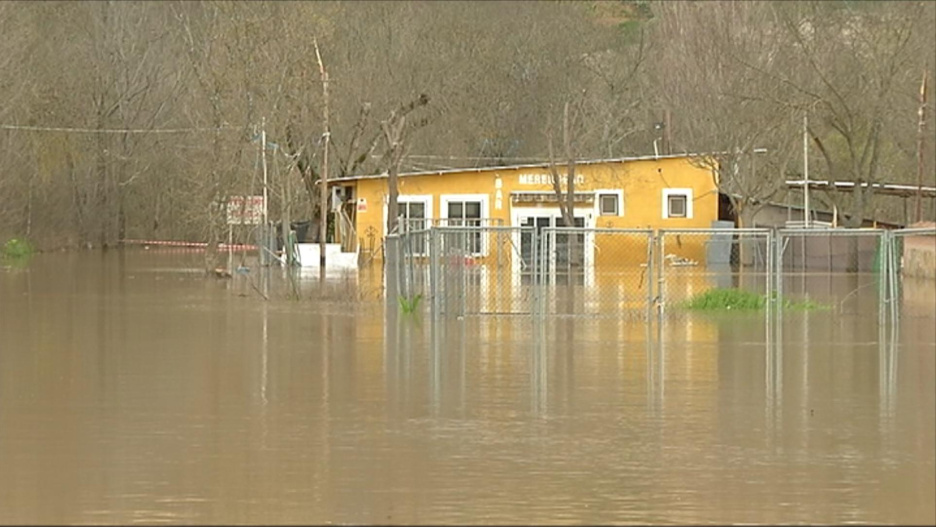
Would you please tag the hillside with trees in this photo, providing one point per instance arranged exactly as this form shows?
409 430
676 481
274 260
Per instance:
138 119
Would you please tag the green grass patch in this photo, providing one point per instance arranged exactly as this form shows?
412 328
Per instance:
721 299
16 250
409 305
726 299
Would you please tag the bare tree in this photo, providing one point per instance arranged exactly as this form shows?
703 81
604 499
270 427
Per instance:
395 131
854 63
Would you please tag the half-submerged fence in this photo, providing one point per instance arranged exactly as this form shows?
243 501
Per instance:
489 269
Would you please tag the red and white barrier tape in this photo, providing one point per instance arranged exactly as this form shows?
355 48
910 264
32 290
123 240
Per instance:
190 245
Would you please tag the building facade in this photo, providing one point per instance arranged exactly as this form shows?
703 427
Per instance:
633 193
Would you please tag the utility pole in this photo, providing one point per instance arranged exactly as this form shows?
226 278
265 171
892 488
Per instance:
920 127
323 179
806 170
265 231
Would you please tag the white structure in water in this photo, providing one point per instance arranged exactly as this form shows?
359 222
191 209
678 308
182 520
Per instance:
334 257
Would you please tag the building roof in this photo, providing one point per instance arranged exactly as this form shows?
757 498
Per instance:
512 167
879 188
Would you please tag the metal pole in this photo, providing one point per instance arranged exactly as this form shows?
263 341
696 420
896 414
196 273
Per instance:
536 287
895 279
266 218
434 274
265 230
883 257
230 249
650 254
661 285
768 281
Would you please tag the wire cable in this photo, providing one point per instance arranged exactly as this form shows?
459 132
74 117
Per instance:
25 128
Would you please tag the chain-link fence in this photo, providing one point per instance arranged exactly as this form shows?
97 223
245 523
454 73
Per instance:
483 270
595 272
694 263
842 269
634 273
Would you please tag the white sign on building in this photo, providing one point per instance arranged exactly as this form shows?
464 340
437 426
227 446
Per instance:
546 179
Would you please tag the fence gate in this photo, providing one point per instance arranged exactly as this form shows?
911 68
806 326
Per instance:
482 270
846 269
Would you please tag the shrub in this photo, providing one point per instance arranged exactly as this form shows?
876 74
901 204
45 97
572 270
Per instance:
17 249
740 300
724 299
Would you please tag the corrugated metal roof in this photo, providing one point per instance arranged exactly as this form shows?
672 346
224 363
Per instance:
879 188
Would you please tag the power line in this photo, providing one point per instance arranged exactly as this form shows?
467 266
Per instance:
24 128
474 158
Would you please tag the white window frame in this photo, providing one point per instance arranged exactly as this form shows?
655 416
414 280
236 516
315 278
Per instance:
485 201
425 199
620 202
687 193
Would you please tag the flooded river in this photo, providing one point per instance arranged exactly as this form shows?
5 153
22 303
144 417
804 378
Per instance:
133 389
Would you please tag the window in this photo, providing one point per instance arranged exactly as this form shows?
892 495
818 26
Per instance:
467 214
608 204
415 214
677 203
464 213
413 218
467 210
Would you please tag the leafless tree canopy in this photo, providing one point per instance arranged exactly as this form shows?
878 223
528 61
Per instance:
137 119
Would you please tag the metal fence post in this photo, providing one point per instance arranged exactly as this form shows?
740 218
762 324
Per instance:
895 278
535 286
463 265
780 245
661 285
882 278
650 240
435 283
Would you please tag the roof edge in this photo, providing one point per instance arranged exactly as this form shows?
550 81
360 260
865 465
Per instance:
515 167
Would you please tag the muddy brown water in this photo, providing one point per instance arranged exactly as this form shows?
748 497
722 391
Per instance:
135 390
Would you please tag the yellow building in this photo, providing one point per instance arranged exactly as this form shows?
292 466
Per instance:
651 192
645 193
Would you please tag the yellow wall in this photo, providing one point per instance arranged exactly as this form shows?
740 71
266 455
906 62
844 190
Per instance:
642 183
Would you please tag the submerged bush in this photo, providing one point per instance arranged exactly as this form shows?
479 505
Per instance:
740 300
409 305
719 299
16 249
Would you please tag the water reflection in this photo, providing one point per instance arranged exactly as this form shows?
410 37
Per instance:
132 390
